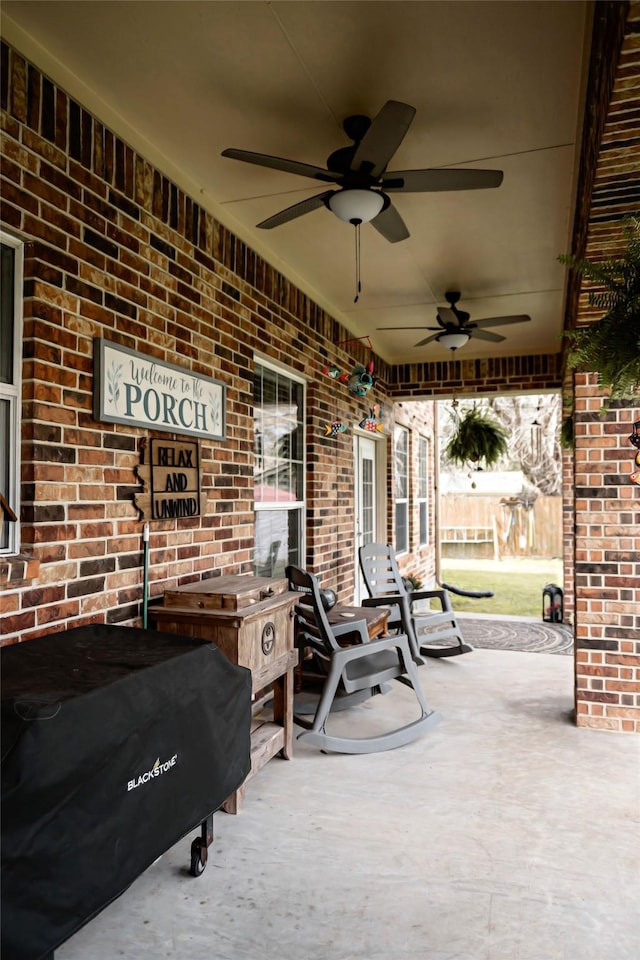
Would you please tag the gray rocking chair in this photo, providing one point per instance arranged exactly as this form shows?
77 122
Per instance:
357 671
431 633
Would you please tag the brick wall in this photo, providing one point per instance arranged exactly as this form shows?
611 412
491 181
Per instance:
606 503
528 374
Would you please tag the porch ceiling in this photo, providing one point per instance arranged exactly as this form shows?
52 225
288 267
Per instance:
495 84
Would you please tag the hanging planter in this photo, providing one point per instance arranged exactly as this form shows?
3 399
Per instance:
610 346
479 439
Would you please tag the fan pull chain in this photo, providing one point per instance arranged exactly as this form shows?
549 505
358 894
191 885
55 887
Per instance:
358 284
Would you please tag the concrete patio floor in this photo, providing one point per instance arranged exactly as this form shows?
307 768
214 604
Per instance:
506 833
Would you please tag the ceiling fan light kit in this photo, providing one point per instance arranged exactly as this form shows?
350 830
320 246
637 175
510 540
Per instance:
356 206
453 340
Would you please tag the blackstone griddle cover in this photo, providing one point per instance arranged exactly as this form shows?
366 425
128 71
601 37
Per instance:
116 742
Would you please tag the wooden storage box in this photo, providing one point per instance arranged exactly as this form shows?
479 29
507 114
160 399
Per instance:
250 619
226 593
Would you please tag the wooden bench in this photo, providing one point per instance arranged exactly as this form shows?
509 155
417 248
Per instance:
466 541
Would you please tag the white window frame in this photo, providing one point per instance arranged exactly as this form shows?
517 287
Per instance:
12 393
423 490
401 479
298 505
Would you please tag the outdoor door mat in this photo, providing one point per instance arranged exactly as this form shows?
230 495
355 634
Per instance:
524 636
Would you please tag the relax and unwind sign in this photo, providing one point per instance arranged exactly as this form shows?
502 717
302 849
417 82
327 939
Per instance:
175 478
132 388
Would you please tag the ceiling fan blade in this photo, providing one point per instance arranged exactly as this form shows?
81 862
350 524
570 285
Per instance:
445 315
502 321
391 225
487 335
429 181
297 210
421 343
383 137
421 327
280 163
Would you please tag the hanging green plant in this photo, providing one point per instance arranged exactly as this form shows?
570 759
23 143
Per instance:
610 346
478 438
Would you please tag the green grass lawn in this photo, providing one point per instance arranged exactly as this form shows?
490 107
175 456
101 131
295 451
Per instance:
517 584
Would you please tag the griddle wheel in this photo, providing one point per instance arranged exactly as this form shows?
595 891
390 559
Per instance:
198 857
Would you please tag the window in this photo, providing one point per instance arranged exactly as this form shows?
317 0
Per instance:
423 489
11 252
401 487
278 470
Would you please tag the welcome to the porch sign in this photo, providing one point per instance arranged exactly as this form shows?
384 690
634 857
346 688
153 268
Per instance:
132 388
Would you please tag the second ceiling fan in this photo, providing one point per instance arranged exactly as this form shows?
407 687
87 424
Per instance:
360 171
455 327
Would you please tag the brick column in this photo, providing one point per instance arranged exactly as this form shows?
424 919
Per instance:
607 564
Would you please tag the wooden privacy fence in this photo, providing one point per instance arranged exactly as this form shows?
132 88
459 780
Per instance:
497 527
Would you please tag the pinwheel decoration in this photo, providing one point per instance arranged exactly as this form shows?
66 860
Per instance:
361 380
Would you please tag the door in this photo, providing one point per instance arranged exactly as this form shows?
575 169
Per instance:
367 501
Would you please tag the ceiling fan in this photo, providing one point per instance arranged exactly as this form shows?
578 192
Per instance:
454 328
360 171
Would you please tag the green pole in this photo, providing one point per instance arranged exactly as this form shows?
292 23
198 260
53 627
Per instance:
145 589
